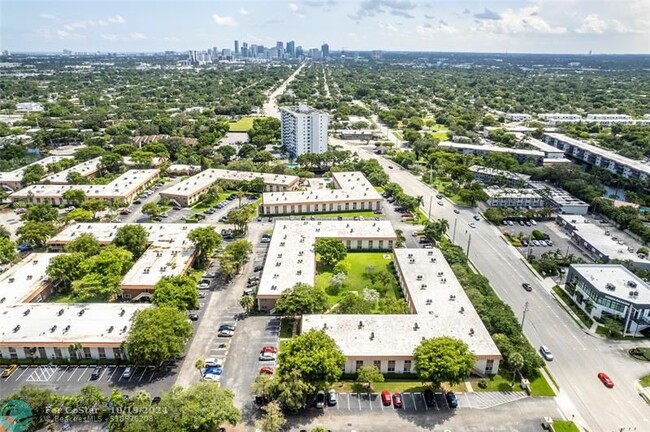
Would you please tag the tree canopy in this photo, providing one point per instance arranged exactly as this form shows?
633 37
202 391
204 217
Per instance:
302 299
330 250
132 237
176 291
443 359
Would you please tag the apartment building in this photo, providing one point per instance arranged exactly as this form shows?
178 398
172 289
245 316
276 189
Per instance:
518 117
512 198
558 118
12 181
304 130
485 149
610 119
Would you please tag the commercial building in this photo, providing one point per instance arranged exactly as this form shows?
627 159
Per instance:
558 118
351 191
485 149
518 117
291 258
304 130
610 119
489 175
11 181
611 291
599 157
599 242
34 329
438 306
510 198
169 253
550 152
125 188
89 168
558 199
190 190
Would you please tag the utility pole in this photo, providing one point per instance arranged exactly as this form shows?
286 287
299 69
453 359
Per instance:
469 242
430 203
453 238
523 319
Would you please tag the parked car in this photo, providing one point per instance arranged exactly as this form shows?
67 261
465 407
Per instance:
155 400
320 399
397 400
456 211
331 397
549 242
546 353
521 223
225 333
527 223
386 398
542 243
440 203
476 217
429 398
472 225
510 223
249 291
535 242
533 223
527 286
269 348
258 268
204 284
138 201
213 370
202 294
227 326
452 400
265 240
267 356
127 372
524 243
602 376
97 372
193 316
213 362
9 370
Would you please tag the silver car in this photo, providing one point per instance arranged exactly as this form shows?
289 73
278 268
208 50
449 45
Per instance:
546 353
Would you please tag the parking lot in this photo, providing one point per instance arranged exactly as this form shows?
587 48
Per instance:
560 239
412 402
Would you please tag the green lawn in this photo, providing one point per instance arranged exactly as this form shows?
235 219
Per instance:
441 185
540 387
645 381
356 281
498 382
71 298
205 204
390 385
286 328
642 353
564 426
242 125
441 135
399 135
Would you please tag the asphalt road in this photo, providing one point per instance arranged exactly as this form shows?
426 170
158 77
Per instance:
271 105
578 356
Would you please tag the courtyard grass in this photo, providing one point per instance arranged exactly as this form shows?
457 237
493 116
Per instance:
391 385
645 380
286 328
205 204
71 298
565 426
501 382
356 281
241 125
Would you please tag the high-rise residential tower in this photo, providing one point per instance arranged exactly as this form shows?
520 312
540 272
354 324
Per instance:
304 130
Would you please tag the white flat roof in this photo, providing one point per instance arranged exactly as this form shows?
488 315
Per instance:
499 173
497 192
168 254
437 314
542 146
491 148
600 275
17 174
61 324
595 236
354 186
291 259
124 185
205 178
559 196
608 154
86 169
19 281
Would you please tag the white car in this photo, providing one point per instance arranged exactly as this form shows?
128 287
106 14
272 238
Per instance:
267 356
225 333
533 223
211 377
204 284
546 353
472 225
213 362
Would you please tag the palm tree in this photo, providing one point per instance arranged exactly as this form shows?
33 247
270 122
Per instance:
516 361
443 225
200 365
400 238
248 303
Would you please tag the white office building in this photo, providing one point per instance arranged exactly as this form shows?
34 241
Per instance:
304 130
518 117
558 118
609 119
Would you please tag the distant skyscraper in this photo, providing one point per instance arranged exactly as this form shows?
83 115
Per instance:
279 45
244 49
236 47
325 50
304 130
299 51
291 49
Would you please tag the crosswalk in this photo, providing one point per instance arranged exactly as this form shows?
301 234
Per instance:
484 400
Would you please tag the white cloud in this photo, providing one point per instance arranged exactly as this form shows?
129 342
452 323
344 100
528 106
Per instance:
430 30
388 26
47 16
521 21
109 37
117 19
137 36
225 21
595 25
243 11
293 7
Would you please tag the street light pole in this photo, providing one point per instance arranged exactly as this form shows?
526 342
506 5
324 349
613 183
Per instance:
523 319
453 238
430 203
469 242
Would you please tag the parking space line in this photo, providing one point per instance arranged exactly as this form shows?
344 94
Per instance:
82 373
359 400
348 401
415 403
381 404
72 374
102 374
63 373
153 373
18 377
142 376
131 376
114 370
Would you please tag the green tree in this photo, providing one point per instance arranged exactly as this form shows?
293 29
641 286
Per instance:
199 365
112 162
353 303
79 215
133 238
102 273
94 205
158 334
293 391
206 240
315 355
247 302
152 210
40 213
367 375
516 362
4 233
65 269
302 299
436 229
273 420
35 233
74 197
239 251
227 152
264 386
39 400
331 250
176 291
443 359
390 305
240 218
86 243
33 173
8 252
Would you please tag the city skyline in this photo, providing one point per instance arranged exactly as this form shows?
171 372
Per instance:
538 26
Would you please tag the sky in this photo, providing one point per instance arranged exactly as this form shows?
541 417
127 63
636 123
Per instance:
534 26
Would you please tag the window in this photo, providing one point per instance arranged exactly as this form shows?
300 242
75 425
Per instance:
41 352
381 244
102 352
72 352
391 366
359 244
370 244
407 366
12 353
87 353
488 366
377 364
359 363
57 352
347 206
354 205
390 244
348 244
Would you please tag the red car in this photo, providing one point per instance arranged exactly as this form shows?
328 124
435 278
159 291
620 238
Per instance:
269 349
397 400
602 376
267 370
385 397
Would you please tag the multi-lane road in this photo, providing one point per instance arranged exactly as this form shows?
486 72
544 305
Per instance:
271 105
578 356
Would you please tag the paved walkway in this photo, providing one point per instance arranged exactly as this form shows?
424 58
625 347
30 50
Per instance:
484 400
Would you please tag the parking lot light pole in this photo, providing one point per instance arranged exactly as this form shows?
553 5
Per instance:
430 203
453 237
469 242
523 319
